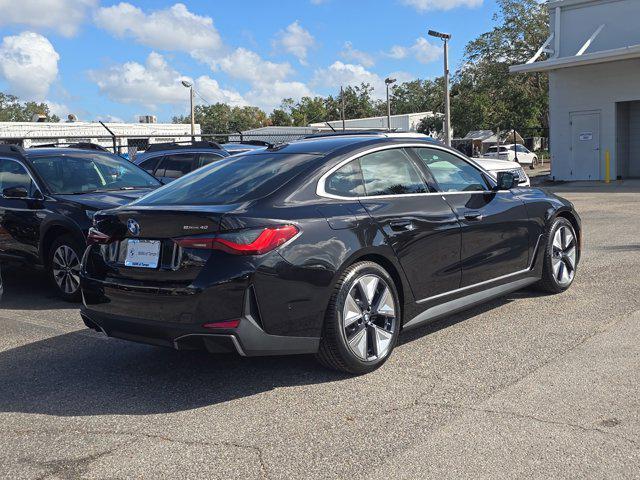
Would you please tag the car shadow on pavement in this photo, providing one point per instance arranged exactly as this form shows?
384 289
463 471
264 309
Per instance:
29 289
83 373
451 320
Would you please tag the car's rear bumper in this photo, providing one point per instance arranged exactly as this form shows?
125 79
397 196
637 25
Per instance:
247 339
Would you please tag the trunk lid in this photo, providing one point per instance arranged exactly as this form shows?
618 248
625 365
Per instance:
169 265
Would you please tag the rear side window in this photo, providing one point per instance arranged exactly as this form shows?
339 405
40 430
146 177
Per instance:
346 181
452 173
236 179
13 174
390 172
175 166
150 164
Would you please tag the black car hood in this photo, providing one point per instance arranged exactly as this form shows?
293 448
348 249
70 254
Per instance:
106 200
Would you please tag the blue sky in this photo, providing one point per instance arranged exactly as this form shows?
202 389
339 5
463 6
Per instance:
115 60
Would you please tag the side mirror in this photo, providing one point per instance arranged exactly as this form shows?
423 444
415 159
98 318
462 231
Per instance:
506 181
15 192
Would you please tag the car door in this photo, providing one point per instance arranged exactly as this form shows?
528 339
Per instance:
417 223
495 233
523 155
19 217
175 166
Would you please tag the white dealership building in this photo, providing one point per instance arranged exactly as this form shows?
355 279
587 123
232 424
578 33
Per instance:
128 135
592 56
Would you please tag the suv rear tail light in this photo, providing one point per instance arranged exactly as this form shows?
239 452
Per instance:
243 242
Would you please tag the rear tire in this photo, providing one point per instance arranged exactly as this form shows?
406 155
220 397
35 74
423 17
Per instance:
534 163
362 321
64 267
560 257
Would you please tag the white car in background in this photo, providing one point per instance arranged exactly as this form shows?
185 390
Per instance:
493 166
513 153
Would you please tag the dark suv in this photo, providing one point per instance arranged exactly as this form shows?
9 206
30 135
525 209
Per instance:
47 202
169 161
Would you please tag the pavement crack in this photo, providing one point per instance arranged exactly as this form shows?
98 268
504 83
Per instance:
67 468
523 416
58 467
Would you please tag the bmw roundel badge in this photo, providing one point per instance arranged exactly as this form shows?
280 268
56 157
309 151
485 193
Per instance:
133 227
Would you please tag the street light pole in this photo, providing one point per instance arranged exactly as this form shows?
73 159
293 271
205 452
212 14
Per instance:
445 37
342 114
389 81
193 123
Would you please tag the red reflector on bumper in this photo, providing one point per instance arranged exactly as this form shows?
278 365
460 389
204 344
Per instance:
225 324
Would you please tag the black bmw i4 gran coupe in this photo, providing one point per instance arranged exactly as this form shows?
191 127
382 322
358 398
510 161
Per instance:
329 246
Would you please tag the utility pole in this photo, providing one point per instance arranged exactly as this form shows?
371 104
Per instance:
193 123
445 37
344 127
389 81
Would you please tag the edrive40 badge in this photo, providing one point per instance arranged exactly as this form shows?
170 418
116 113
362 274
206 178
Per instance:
133 227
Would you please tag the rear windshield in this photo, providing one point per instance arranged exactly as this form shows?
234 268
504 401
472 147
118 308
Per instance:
235 179
495 149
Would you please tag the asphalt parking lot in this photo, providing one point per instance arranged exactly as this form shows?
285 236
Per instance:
526 386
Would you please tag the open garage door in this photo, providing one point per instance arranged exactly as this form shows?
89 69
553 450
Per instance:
628 143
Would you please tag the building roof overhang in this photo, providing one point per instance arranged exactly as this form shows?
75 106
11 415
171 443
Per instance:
617 54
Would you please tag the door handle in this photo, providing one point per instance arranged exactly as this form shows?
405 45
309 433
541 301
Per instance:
400 225
473 216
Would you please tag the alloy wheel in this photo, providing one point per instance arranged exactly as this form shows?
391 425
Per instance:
563 256
369 318
66 269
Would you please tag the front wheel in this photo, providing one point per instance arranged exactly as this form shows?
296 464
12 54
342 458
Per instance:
534 163
64 267
362 322
560 257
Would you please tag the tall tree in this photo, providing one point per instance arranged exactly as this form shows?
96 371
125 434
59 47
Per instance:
222 118
485 94
12 110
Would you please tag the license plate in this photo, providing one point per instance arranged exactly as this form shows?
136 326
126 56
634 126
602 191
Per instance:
142 253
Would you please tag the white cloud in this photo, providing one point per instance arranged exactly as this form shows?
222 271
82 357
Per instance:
29 64
427 5
59 109
174 28
248 65
346 74
358 56
111 119
156 83
295 40
268 80
269 95
422 50
63 16
211 92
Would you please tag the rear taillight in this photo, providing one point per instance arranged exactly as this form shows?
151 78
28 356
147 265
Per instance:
224 324
244 242
96 237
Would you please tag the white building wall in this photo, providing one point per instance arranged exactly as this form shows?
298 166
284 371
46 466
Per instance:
579 19
589 88
406 123
94 132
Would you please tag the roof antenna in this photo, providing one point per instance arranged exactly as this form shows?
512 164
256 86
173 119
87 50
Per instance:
330 126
